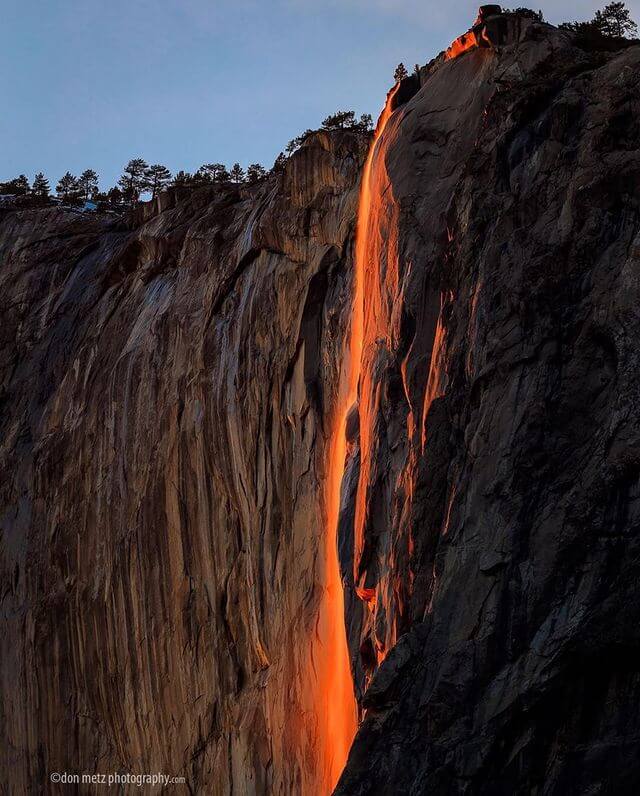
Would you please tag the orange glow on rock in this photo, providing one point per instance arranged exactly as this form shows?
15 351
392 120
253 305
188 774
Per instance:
376 237
468 41
436 368
338 709
340 712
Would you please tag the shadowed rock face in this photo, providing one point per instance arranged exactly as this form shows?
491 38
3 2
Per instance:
166 390
499 393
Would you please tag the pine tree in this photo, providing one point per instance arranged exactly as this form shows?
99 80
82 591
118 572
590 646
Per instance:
297 142
182 179
157 177
22 185
400 73
220 173
114 197
615 20
237 174
583 28
19 186
279 163
339 120
68 189
214 172
366 123
40 187
205 172
88 184
255 173
529 13
133 180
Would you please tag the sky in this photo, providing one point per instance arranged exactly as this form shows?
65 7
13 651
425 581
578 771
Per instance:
93 83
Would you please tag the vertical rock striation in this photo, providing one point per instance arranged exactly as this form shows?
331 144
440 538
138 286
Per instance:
493 489
166 391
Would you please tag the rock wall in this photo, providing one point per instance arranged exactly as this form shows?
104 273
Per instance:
165 390
494 486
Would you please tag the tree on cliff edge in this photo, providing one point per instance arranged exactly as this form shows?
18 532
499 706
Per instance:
400 73
214 172
158 177
40 188
615 20
339 120
255 173
279 163
134 179
67 188
529 13
19 186
114 198
88 184
237 174
366 123
182 179
298 141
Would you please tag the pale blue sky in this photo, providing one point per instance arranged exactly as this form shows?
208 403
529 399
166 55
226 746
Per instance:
92 83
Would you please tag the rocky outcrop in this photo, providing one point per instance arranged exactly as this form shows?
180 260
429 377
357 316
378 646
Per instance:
499 451
169 387
165 390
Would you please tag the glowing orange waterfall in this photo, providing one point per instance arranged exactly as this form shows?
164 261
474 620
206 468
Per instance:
376 252
340 711
340 707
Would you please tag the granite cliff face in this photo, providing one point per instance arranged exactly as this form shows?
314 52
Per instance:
165 392
497 512
169 390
